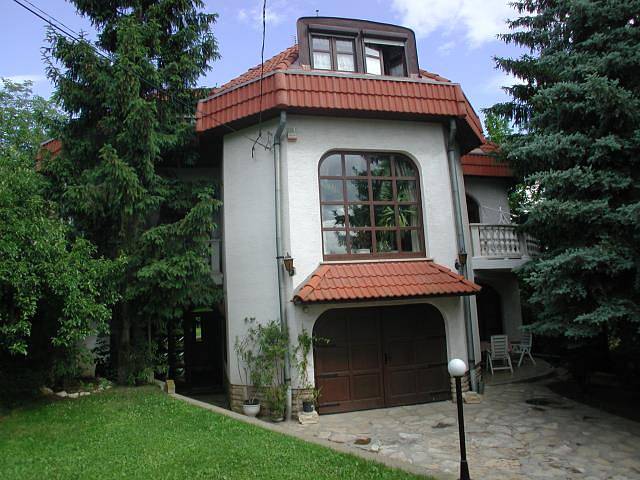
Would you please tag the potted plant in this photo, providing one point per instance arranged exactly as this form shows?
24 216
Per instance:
301 360
247 370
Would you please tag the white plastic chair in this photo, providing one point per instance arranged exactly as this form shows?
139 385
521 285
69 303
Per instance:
499 353
524 347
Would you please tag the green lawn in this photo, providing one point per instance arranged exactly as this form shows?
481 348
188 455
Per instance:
142 433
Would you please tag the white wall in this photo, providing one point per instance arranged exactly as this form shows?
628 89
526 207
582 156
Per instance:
250 277
249 243
491 193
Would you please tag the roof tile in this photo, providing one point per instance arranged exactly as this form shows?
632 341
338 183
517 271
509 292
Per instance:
382 280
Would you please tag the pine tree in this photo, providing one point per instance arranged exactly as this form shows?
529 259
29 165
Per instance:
131 123
578 151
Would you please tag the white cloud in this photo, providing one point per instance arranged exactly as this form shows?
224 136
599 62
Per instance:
481 20
502 79
445 48
35 78
253 16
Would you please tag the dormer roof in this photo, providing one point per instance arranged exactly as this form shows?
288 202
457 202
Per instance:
288 84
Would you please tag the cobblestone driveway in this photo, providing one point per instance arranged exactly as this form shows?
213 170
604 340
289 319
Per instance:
507 438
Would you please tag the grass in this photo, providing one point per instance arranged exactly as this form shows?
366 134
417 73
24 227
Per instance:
142 433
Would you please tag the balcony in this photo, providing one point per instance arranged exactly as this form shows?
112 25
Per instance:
500 247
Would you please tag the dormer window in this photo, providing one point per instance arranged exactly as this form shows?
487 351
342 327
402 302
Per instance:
385 57
333 53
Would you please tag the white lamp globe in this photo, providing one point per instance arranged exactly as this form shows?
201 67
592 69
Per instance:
457 367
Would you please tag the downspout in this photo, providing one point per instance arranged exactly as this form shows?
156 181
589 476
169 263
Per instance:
279 253
462 269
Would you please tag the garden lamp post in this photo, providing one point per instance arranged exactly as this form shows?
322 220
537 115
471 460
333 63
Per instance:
457 368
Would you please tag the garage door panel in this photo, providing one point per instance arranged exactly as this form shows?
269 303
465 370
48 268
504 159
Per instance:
432 380
334 359
366 386
335 389
402 382
429 350
399 353
365 357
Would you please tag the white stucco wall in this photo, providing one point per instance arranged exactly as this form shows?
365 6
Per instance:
249 244
250 277
491 194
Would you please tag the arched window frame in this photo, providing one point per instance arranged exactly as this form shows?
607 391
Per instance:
402 239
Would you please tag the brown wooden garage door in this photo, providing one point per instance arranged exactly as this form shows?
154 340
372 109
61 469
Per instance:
382 356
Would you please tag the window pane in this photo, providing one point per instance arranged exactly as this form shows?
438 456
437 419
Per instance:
382 190
385 215
408 215
322 60
360 241
344 46
321 43
386 242
345 62
331 166
357 190
405 168
410 240
332 216
330 190
359 216
355 166
380 166
371 51
373 66
335 242
406 190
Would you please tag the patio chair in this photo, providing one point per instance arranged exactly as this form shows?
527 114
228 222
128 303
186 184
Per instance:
524 347
499 353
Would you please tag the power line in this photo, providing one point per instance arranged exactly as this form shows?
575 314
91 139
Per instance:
55 24
264 29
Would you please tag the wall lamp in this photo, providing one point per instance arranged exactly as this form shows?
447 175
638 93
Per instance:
287 261
461 261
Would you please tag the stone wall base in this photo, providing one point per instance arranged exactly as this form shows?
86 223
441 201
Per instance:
466 381
237 396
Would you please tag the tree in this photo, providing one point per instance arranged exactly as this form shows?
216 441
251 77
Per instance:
43 273
578 148
498 128
132 111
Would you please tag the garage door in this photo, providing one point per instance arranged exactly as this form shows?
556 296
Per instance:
383 356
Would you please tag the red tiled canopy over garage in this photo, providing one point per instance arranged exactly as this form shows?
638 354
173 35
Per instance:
334 282
288 85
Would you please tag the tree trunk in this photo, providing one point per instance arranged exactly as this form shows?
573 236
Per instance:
124 344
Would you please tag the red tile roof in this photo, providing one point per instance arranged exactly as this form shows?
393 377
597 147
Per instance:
481 163
286 85
334 282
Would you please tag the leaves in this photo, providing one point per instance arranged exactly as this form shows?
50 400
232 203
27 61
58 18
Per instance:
578 150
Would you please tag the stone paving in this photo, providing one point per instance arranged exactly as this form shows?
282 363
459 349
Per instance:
507 438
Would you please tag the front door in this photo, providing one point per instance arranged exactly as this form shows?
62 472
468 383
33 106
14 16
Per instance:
202 350
377 357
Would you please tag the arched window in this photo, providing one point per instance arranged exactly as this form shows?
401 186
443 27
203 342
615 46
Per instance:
370 206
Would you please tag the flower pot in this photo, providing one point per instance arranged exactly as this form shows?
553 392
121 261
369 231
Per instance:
307 406
277 419
251 409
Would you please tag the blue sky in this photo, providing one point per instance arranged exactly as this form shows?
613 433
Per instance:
456 38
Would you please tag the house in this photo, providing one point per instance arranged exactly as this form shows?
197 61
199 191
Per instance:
372 218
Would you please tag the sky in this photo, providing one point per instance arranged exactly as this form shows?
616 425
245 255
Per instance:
456 38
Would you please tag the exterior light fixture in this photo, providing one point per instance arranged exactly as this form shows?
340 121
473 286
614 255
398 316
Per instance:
457 368
461 261
287 261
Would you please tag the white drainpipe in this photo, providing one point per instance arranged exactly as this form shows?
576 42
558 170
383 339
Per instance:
457 206
280 253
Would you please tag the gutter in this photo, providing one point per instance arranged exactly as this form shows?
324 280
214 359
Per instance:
284 326
462 266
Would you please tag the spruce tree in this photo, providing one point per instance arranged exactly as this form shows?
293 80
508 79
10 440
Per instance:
577 150
131 105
